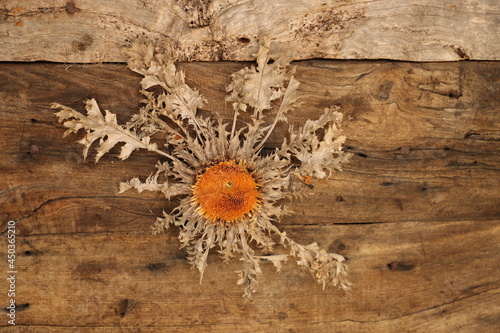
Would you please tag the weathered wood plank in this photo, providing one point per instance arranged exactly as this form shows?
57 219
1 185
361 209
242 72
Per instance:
420 148
408 277
90 31
416 211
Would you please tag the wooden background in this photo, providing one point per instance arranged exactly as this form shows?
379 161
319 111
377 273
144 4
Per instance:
97 31
416 211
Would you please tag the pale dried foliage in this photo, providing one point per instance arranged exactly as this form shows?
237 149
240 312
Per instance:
192 143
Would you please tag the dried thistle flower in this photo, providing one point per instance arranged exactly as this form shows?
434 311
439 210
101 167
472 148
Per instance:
229 192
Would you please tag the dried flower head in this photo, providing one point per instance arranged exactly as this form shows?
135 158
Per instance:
229 192
226 192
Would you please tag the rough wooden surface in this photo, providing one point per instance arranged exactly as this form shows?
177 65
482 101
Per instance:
416 211
95 31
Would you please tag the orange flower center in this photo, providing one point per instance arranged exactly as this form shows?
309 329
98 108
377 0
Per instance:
226 191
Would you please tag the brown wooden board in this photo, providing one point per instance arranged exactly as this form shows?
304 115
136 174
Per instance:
416 211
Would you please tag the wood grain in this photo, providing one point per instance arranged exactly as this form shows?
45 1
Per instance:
86 31
416 210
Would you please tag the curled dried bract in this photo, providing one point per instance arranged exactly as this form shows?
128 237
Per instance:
230 194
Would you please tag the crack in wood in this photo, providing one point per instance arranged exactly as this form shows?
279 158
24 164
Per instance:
50 201
482 135
19 307
408 314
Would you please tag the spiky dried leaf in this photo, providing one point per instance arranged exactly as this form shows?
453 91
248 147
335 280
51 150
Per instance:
102 128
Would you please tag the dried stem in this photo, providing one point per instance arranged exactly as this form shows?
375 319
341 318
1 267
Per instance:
278 116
